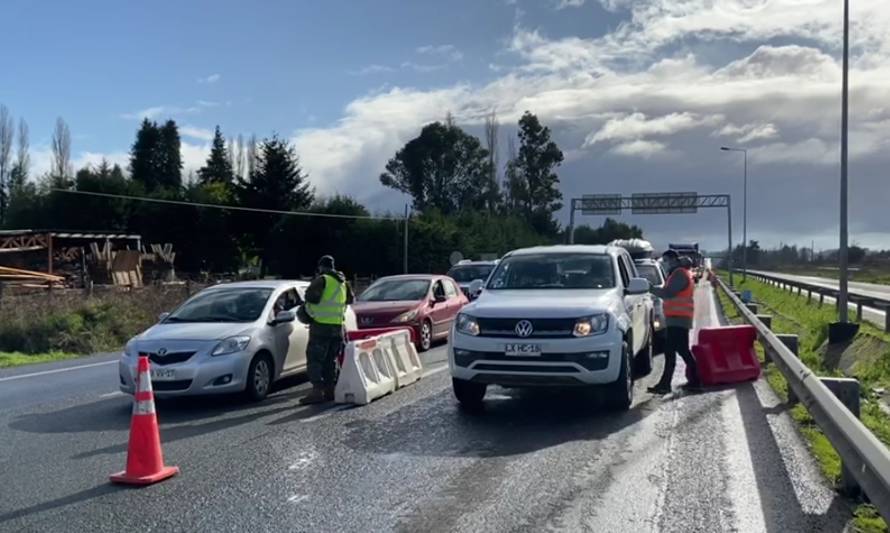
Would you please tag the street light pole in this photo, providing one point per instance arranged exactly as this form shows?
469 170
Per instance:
842 250
744 211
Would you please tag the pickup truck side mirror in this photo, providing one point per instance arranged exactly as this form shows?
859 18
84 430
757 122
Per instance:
163 316
637 286
476 287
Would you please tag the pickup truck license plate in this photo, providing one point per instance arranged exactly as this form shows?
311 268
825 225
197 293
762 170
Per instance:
521 349
163 374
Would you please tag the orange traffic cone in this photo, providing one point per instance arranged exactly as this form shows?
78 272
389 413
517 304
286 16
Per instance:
145 462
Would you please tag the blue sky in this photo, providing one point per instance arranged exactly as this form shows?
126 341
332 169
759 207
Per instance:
640 94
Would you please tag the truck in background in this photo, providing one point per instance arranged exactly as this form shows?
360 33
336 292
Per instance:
692 251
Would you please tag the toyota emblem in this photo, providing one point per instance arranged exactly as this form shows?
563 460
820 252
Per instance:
524 328
162 352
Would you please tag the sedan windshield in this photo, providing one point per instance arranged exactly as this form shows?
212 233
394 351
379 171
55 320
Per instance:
393 290
554 271
223 305
650 272
463 274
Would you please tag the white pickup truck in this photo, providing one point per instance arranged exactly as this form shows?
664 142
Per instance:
556 316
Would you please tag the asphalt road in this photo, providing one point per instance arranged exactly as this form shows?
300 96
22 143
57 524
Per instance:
723 460
874 290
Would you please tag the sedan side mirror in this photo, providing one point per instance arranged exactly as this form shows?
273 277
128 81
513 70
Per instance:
163 316
283 317
637 286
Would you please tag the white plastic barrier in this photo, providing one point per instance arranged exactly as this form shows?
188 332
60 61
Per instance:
367 373
404 357
377 366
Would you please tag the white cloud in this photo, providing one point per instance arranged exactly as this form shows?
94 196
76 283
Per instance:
637 126
748 132
563 4
203 134
149 113
207 103
213 78
639 148
372 69
165 111
417 67
448 51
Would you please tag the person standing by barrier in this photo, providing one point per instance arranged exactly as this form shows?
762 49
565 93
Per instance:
678 295
326 301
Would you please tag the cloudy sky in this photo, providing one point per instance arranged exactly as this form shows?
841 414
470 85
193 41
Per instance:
640 94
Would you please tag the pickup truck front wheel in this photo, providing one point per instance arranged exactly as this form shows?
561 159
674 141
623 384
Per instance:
469 394
620 394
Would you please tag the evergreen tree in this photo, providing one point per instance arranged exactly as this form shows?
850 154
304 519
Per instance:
143 156
277 182
170 156
218 168
532 182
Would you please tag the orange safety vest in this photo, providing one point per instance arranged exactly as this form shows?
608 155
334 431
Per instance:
683 304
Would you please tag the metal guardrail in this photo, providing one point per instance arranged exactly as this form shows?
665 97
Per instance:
864 456
859 299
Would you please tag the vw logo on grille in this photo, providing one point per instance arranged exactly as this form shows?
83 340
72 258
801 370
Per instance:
524 328
162 352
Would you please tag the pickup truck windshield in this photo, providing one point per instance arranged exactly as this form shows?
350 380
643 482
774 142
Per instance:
463 274
554 271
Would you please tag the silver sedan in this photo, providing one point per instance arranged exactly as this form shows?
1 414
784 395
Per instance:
236 337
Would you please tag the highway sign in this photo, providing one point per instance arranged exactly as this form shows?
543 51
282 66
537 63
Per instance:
664 203
601 204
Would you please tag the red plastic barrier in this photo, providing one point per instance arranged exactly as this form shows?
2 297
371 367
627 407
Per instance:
726 355
359 334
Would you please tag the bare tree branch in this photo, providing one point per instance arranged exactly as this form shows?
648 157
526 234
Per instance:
251 156
61 147
23 158
239 157
7 129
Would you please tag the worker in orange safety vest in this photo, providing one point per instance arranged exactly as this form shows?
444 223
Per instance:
678 295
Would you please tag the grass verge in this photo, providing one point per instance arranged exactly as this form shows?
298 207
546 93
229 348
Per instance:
13 359
792 314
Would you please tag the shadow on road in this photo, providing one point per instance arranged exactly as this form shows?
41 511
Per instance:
77 497
774 481
513 422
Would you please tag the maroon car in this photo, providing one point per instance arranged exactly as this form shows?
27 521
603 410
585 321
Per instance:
427 303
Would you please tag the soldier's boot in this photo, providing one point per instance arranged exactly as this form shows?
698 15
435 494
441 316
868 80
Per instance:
316 395
329 393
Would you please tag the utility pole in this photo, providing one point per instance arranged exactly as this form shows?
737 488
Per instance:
405 243
842 250
744 210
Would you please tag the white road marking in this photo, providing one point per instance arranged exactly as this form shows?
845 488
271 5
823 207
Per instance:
58 370
742 480
298 498
111 394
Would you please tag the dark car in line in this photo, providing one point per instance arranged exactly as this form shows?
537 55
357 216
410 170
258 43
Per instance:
427 303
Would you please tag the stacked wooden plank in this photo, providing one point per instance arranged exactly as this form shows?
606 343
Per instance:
28 278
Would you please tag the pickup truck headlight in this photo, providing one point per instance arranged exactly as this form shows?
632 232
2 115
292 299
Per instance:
467 325
231 345
407 316
592 325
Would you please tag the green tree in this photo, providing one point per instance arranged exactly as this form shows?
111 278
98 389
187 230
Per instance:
95 213
532 183
277 183
155 158
608 232
170 156
218 168
444 168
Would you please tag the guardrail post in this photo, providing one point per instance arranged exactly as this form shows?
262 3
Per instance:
886 318
809 295
792 342
752 308
847 391
821 299
767 320
799 290
858 310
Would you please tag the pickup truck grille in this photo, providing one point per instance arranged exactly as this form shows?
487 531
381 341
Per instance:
541 327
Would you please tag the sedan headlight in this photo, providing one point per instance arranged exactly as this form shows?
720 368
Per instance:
407 316
467 325
592 325
231 345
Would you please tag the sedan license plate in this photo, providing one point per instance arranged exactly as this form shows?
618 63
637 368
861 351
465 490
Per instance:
521 349
163 374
